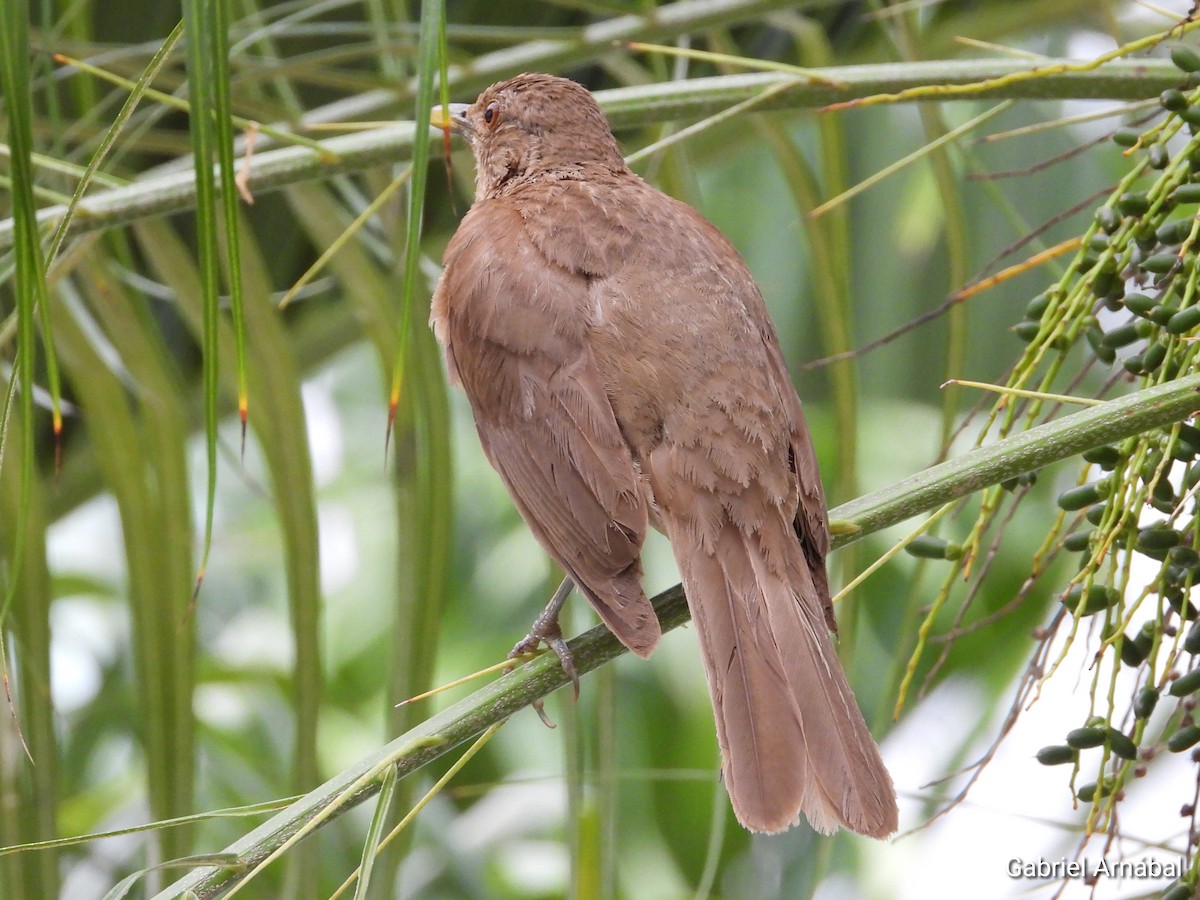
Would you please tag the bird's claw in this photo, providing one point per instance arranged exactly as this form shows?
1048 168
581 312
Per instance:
547 631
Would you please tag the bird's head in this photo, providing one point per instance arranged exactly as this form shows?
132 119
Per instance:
530 127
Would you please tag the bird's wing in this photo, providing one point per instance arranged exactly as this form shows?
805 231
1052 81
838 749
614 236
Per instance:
514 326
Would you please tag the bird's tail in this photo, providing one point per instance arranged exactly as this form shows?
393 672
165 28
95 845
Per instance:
792 737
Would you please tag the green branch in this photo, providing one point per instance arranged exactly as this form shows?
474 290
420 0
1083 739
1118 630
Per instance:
1102 424
630 107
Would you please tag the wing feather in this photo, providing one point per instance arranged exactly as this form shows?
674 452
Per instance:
516 336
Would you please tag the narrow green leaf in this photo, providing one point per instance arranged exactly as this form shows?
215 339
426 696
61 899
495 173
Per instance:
30 280
31 790
201 20
253 809
172 102
10 389
379 821
125 885
60 232
92 171
139 441
30 766
222 116
281 426
430 42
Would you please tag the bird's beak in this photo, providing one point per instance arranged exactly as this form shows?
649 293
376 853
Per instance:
452 117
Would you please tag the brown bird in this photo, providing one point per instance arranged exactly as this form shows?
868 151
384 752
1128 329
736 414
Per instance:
623 371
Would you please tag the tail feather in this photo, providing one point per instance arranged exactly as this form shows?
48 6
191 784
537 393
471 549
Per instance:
792 737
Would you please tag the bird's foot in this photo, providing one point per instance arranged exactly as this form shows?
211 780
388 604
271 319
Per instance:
545 630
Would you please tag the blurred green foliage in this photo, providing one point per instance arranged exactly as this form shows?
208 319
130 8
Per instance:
387 613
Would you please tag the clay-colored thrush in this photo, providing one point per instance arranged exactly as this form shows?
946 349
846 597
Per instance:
623 371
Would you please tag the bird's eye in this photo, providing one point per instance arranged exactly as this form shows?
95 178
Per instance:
491 115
